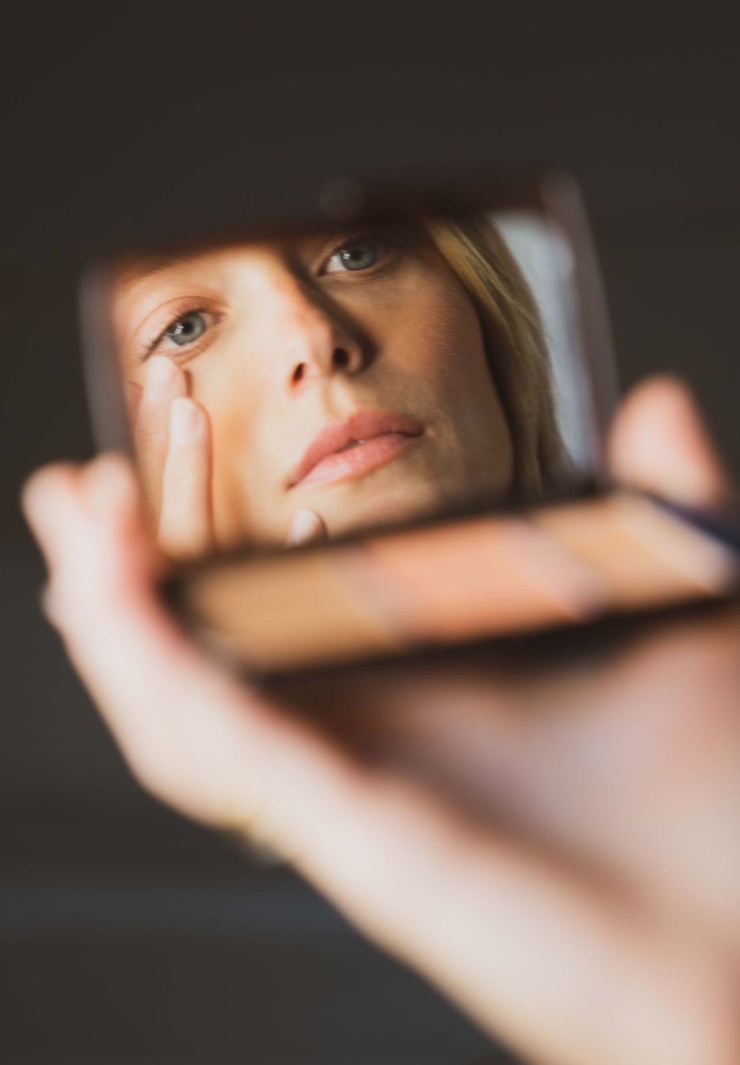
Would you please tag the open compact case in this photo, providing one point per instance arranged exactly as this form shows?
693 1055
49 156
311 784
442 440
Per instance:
380 429
455 582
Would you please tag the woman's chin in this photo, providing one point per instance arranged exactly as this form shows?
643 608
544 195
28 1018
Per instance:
353 508
360 514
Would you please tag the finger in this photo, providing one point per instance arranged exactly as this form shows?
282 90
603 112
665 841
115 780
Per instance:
306 528
57 491
187 730
212 748
659 443
39 498
134 393
164 382
186 517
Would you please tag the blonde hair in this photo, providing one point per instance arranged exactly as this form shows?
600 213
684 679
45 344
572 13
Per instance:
515 346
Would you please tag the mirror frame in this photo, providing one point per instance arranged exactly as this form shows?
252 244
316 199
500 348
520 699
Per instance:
547 189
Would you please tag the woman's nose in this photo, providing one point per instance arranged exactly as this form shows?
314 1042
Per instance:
318 346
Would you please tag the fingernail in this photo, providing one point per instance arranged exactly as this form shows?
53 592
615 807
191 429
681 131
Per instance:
306 527
185 421
161 379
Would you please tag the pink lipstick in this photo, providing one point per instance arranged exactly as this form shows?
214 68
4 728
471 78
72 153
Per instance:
355 446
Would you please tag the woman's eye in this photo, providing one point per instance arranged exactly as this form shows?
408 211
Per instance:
185 330
358 255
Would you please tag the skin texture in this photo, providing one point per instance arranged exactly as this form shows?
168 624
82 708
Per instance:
556 849
294 340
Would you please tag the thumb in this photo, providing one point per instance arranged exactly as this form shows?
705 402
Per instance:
306 528
659 443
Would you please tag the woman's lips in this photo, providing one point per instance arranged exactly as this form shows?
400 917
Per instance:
354 446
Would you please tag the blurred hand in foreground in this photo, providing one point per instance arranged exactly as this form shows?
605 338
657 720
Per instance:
558 852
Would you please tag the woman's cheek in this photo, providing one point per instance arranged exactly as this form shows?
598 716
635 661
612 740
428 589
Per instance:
435 325
248 467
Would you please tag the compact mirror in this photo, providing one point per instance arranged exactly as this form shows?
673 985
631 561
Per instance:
403 355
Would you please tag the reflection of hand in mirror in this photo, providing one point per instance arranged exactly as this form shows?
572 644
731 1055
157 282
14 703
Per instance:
368 378
589 913
173 443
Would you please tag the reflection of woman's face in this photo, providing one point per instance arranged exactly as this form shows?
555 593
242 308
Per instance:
342 374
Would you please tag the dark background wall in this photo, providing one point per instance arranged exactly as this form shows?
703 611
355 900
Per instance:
126 934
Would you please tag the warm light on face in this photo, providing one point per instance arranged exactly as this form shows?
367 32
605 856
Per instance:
342 373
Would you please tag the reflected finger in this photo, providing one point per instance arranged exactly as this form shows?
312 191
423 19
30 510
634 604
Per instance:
186 521
660 443
307 527
164 383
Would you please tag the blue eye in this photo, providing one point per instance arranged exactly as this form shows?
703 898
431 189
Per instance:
355 255
186 329
359 256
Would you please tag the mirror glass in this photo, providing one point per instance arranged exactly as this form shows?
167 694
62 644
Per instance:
318 384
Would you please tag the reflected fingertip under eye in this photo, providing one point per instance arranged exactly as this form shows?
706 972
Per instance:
162 379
